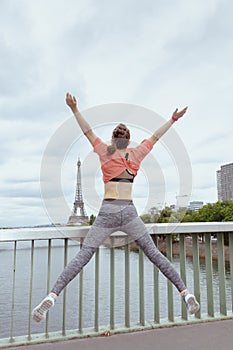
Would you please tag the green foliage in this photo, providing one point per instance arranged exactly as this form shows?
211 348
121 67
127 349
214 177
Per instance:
219 211
92 219
165 215
146 218
155 218
179 215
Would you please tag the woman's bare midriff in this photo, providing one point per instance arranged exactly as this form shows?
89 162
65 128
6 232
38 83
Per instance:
118 190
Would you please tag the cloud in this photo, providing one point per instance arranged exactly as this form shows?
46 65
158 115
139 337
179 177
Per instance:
22 190
18 212
157 54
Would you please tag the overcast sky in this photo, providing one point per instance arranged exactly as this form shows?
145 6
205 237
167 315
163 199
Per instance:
155 54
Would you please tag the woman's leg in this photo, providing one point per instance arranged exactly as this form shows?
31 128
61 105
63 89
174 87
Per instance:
73 268
103 226
147 245
137 230
95 237
68 274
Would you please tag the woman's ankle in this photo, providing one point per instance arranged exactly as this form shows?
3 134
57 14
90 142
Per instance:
53 295
184 292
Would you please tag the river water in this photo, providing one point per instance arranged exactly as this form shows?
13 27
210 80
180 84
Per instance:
22 285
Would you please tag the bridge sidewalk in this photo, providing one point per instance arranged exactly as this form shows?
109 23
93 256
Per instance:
204 336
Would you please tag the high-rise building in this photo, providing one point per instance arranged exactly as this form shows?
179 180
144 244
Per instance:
219 187
195 205
225 182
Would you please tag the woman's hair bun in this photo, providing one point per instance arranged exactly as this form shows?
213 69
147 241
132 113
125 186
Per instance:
120 138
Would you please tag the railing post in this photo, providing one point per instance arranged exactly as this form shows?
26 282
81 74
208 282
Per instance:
141 287
156 288
209 274
169 284
112 284
183 270
222 274
48 286
30 290
127 285
231 265
13 295
196 269
97 255
80 312
65 291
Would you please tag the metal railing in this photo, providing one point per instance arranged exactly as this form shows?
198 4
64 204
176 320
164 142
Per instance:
213 287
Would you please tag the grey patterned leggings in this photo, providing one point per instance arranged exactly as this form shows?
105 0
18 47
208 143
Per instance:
117 215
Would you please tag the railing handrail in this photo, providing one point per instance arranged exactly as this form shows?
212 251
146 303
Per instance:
61 232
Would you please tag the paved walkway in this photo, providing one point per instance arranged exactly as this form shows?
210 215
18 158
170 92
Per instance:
203 336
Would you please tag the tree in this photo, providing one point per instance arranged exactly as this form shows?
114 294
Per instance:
219 211
165 215
180 214
92 219
155 218
146 218
228 212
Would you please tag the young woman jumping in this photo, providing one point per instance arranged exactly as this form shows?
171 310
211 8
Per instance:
119 165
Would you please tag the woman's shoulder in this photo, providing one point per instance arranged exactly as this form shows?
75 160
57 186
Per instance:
99 146
144 143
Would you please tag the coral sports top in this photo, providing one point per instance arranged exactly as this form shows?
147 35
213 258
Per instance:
115 164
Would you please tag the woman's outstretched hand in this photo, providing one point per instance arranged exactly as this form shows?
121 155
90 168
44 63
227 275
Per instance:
85 127
71 102
178 114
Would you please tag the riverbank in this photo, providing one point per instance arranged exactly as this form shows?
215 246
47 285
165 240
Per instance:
189 251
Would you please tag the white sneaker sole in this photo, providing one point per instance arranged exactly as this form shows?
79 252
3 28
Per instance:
39 313
192 305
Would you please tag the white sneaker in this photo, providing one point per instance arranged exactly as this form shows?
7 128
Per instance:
40 311
191 303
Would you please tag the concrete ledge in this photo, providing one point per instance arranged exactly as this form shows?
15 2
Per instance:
55 339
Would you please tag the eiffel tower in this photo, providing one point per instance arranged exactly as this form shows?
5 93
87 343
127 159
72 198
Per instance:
78 202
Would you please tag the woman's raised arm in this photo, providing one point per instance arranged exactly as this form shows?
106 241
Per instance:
85 127
164 128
